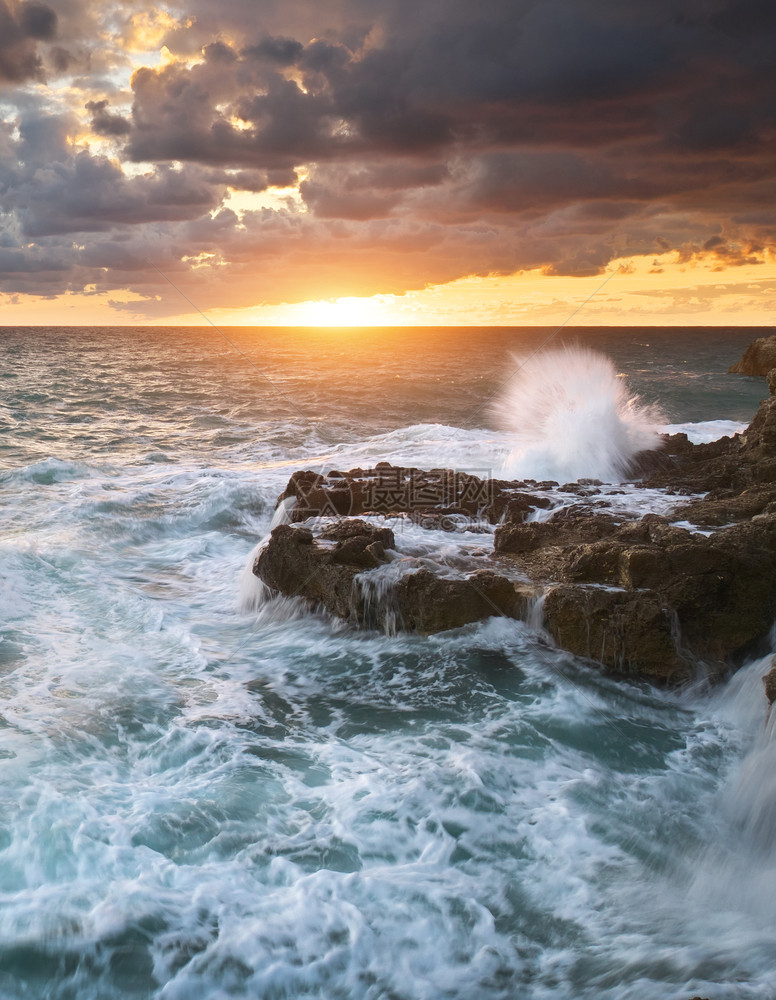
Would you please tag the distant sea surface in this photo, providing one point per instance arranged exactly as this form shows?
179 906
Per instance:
201 802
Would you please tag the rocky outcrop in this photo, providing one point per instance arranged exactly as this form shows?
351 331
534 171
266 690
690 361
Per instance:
726 467
727 506
322 571
643 596
427 603
630 633
710 596
758 359
332 570
427 496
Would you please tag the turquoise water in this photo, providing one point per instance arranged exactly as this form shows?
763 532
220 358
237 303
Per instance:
204 802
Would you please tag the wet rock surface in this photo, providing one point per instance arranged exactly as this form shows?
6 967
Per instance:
645 596
627 632
329 570
716 595
421 494
294 563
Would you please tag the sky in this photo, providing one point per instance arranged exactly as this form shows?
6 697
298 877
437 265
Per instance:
473 162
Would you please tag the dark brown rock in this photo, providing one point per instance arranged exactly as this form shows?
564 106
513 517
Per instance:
297 564
513 506
724 591
718 591
294 564
759 439
630 633
389 489
426 496
568 526
758 359
642 567
728 506
427 603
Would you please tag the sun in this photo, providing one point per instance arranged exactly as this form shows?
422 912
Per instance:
345 311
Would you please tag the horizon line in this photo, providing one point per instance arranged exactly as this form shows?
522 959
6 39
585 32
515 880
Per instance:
391 326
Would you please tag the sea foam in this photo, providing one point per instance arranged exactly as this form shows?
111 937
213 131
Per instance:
570 416
253 591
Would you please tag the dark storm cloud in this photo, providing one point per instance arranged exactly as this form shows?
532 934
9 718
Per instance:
283 51
37 20
370 191
21 26
57 188
104 122
454 77
435 139
92 195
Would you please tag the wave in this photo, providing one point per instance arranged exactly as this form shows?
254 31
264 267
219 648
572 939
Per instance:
570 416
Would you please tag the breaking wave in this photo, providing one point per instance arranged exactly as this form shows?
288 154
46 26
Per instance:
570 416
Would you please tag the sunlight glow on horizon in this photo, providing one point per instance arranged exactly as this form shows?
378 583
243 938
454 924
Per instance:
648 291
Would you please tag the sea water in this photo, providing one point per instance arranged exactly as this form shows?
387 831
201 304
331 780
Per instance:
200 801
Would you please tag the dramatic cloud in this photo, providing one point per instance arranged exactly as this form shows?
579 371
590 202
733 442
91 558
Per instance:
105 123
21 26
393 143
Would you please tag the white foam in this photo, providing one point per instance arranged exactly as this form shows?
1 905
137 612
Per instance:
705 431
253 591
736 874
570 417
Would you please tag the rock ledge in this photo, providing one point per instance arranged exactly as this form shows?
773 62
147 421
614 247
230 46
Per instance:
647 596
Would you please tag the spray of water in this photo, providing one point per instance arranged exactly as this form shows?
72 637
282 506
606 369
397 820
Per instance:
253 591
570 416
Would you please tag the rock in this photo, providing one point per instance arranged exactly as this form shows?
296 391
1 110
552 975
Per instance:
426 496
727 506
733 463
758 359
759 439
323 496
296 563
389 489
542 545
719 592
645 596
513 506
630 633
723 589
427 603
566 526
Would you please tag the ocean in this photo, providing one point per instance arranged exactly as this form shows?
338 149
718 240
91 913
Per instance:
207 798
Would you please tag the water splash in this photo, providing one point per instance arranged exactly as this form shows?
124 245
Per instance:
253 591
376 588
571 416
